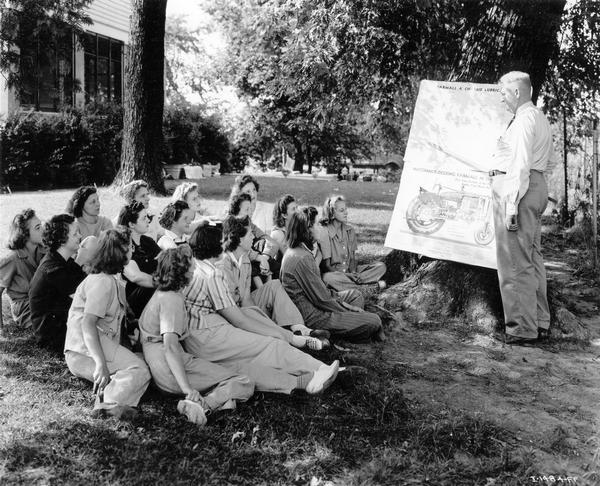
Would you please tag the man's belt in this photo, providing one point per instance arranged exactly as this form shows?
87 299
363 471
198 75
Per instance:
494 173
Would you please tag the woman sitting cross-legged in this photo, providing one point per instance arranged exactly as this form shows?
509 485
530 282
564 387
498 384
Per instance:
163 325
138 272
175 219
85 206
57 278
19 265
340 313
338 246
93 349
270 298
221 333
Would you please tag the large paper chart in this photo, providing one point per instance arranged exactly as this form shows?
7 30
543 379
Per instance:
444 204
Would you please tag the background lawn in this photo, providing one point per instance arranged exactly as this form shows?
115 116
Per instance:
370 203
417 409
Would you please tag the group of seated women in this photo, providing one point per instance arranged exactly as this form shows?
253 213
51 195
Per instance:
218 307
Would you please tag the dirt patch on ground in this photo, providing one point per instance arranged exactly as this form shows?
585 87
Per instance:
547 395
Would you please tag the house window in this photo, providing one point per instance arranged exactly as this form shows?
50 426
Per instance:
46 68
103 74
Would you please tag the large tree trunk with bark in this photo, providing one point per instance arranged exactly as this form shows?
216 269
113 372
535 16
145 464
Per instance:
435 291
142 153
508 35
500 36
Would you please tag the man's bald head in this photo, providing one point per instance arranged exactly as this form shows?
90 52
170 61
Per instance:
516 89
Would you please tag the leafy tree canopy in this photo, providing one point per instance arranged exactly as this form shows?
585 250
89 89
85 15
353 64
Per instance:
340 77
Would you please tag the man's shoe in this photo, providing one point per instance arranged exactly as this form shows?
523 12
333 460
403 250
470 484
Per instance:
514 340
543 334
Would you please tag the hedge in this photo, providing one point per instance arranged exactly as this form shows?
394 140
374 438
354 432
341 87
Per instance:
66 149
83 146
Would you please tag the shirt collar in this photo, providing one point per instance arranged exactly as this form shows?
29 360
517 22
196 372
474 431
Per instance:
333 232
238 262
523 107
174 237
204 263
24 254
303 245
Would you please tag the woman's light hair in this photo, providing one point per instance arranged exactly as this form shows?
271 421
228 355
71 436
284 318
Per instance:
329 208
182 190
128 191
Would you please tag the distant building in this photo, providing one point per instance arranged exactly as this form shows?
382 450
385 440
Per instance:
380 162
89 70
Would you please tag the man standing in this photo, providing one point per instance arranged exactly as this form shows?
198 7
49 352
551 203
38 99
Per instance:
520 196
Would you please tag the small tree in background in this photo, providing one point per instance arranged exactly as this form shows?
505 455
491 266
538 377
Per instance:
571 93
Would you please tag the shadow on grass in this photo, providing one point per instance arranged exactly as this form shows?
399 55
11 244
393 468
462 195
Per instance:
361 431
273 438
299 440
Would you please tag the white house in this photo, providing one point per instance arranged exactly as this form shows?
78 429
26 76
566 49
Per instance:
88 70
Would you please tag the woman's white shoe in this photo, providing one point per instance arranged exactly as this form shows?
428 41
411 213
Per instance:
323 378
193 411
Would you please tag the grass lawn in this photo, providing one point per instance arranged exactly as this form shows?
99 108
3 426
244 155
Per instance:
425 407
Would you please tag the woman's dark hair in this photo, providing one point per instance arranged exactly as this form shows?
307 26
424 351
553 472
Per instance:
280 210
236 201
206 240
78 199
19 232
173 267
56 231
172 213
240 182
312 213
298 230
112 253
234 229
130 214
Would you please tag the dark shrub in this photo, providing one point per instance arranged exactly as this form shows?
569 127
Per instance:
65 149
194 137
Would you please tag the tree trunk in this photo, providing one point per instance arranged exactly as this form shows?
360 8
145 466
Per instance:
299 158
565 207
142 153
508 35
436 291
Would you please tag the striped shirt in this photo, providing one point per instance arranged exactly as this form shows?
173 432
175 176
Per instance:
238 275
207 293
